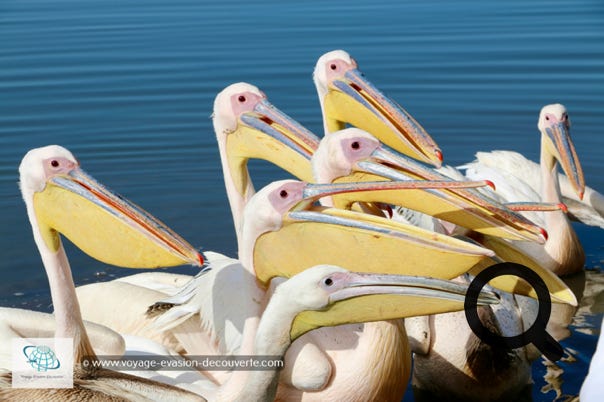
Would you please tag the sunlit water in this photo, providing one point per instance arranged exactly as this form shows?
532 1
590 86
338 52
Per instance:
128 87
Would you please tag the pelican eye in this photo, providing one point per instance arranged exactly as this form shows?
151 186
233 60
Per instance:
328 282
333 66
547 118
355 145
241 98
283 194
54 163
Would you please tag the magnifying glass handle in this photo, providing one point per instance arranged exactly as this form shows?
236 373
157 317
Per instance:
549 347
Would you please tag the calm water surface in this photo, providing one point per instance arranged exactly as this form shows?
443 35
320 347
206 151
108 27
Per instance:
128 87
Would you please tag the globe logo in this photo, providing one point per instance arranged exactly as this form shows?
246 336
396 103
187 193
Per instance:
42 358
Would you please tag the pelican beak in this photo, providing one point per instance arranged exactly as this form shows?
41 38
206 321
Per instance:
354 100
269 134
507 251
312 235
364 297
462 206
558 142
106 226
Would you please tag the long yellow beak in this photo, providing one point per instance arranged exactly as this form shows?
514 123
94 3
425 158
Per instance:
312 235
363 297
269 134
463 206
107 227
559 291
354 100
557 140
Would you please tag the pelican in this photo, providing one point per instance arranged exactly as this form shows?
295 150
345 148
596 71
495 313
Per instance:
327 294
562 253
347 97
277 213
592 391
330 295
61 198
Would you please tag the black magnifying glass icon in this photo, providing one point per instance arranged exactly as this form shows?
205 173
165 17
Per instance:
536 334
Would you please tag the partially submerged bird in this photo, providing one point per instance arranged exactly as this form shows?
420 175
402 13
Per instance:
62 199
451 362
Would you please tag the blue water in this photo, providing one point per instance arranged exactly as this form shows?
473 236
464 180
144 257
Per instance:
128 87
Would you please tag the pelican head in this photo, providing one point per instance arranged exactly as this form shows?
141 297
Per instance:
554 125
66 200
285 232
327 295
346 96
248 126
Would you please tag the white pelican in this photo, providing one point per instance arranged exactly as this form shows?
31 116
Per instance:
562 253
331 295
592 390
279 211
347 97
61 198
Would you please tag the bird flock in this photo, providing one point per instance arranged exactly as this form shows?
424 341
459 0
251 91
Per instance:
354 273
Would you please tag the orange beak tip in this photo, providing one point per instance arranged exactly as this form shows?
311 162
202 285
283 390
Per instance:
563 207
581 194
439 155
544 233
200 258
491 184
